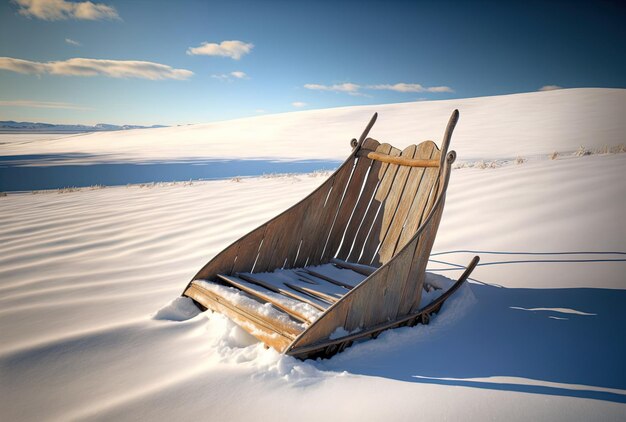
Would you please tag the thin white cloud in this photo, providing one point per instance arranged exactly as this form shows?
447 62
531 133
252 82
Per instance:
54 10
405 87
230 76
22 66
347 87
233 49
260 111
40 104
239 74
356 89
550 88
299 104
96 67
73 42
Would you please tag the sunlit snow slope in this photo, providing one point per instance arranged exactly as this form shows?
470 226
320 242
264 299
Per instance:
93 329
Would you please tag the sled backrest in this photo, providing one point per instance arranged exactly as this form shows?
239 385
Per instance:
393 199
365 212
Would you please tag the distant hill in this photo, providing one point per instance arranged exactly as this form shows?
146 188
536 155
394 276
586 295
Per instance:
12 126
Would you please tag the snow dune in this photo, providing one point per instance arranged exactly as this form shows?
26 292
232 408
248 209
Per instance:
500 127
92 328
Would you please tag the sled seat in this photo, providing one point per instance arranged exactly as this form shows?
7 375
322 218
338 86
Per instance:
297 296
346 262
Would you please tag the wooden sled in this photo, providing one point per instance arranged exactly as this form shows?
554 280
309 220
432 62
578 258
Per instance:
346 262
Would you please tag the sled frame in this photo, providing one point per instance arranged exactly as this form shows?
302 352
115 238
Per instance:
376 215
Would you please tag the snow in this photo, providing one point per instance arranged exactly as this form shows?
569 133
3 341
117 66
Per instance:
239 298
500 127
93 328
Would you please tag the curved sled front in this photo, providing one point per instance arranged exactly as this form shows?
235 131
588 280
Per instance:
346 262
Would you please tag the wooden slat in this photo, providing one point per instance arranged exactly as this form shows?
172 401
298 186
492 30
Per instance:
314 293
248 249
223 262
284 251
393 187
392 203
346 206
268 331
271 239
327 278
417 212
347 278
394 284
413 294
309 224
328 322
401 161
369 144
265 295
253 278
368 305
411 189
359 211
331 207
359 268
300 277
365 203
308 278
386 171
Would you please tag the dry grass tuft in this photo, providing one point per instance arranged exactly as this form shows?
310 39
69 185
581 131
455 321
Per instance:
582 151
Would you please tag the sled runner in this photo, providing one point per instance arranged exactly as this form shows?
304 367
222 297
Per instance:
346 262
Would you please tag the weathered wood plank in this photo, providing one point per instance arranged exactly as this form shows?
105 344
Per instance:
327 323
284 252
327 278
411 189
253 278
248 249
392 203
388 194
268 296
367 304
401 161
360 209
359 268
413 294
222 262
362 244
347 204
364 204
331 208
419 210
312 216
270 332
314 293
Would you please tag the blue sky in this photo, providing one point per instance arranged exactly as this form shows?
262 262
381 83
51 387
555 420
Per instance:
290 55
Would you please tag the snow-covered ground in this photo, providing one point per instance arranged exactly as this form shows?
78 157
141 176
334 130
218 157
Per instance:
92 327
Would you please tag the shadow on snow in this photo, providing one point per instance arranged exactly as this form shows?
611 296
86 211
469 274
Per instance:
36 172
568 336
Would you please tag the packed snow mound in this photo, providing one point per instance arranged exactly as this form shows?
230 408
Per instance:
179 309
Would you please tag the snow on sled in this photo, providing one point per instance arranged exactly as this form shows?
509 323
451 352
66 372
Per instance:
346 262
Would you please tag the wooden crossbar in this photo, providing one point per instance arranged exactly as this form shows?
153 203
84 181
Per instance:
399 160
